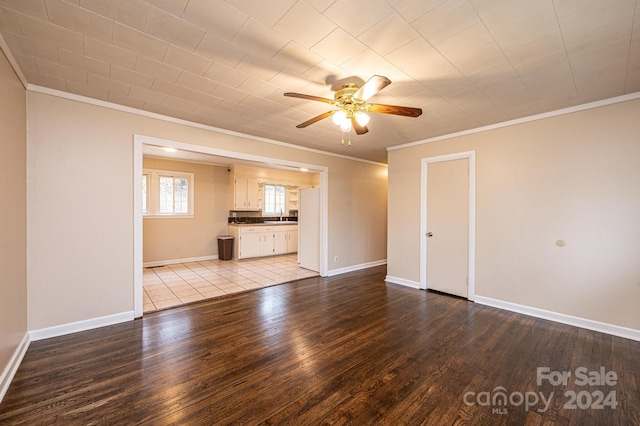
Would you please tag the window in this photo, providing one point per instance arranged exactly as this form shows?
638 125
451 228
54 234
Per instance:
167 194
274 199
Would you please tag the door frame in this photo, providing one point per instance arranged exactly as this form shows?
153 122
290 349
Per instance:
140 140
424 165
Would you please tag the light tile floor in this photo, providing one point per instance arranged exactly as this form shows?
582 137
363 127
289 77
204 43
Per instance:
174 285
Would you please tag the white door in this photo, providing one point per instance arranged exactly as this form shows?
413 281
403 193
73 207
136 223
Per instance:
309 229
448 226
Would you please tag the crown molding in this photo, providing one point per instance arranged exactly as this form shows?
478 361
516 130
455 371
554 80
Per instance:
544 115
12 61
131 110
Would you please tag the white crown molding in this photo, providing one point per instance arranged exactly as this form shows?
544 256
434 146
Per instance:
13 62
569 110
110 105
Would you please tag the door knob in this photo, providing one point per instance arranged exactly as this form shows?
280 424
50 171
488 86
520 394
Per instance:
429 234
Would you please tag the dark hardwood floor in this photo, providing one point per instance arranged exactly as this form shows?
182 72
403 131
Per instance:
343 350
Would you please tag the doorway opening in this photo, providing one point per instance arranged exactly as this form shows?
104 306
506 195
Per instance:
426 233
140 142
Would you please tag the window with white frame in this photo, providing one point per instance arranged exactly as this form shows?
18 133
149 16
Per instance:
167 193
275 200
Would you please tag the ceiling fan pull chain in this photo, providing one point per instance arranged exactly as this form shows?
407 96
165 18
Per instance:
342 133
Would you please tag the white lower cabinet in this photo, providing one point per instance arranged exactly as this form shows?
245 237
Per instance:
260 240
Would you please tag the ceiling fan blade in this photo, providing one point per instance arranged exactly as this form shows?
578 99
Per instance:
315 119
309 97
371 87
360 130
393 109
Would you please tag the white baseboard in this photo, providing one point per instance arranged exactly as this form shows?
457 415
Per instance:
12 367
402 281
615 330
346 269
175 261
74 327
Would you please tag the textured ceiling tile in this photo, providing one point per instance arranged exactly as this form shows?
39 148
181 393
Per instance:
339 46
446 20
35 8
389 34
219 72
229 93
53 69
175 7
216 16
204 99
132 13
120 99
49 33
8 21
158 69
259 39
304 25
139 42
412 10
174 90
196 82
25 62
147 95
172 29
535 49
357 16
81 20
100 83
128 76
259 67
109 53
180 104
221 51
595 23
420 60
266 12
75 60
186 60
295 58
527 20
45 81
472 39
321 72
87 90
256 87
366 64
31 47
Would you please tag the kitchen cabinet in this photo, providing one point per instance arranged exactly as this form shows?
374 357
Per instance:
261 240
285 239
245 194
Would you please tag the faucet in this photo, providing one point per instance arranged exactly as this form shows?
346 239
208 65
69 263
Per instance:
281 215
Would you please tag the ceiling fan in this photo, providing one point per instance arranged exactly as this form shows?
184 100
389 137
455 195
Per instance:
352 106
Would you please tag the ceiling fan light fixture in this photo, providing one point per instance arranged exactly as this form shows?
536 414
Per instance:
361 118
339 117
346 125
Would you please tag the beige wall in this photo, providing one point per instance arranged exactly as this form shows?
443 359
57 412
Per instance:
80 195
13 223
181 238
574 177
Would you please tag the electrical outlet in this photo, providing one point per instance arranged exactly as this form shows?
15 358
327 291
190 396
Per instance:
335 259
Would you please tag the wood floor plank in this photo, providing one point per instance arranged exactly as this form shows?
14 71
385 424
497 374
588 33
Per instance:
349 349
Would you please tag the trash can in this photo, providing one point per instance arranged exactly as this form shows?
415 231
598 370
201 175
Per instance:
225 247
